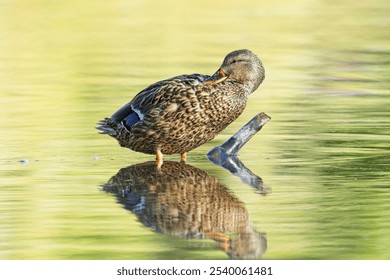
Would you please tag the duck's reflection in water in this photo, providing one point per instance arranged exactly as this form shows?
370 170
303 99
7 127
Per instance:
183 201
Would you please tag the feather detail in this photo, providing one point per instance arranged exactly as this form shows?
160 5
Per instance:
107 126
130 120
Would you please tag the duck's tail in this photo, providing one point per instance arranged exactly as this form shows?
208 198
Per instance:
108 126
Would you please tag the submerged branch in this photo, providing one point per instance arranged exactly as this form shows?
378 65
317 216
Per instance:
239 139
225 155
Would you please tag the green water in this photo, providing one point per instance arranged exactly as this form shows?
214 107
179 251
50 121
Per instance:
324 155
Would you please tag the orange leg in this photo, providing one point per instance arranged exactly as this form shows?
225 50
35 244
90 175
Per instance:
159 159
222 239
183 157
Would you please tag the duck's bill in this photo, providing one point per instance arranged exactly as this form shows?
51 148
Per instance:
217 77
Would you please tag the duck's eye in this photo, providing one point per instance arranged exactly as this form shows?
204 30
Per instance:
233 61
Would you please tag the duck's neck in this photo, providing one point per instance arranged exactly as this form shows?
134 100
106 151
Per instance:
249 88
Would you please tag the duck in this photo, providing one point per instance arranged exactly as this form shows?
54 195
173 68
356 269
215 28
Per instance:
179 114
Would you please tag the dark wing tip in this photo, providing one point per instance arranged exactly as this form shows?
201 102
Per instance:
105 127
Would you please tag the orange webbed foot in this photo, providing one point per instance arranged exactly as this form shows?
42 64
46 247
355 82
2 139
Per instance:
159 159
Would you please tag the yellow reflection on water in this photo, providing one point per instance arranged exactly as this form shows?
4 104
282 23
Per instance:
66 64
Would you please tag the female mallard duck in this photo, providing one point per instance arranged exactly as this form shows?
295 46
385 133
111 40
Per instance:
177 115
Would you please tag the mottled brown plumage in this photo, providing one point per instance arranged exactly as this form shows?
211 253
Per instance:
179 114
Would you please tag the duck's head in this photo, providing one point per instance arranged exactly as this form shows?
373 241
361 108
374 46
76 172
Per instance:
242 66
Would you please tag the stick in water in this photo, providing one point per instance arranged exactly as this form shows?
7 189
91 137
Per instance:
238 140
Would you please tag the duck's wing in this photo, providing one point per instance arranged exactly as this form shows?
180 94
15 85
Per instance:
152 96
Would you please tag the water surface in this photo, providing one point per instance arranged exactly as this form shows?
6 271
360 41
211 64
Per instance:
324 156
